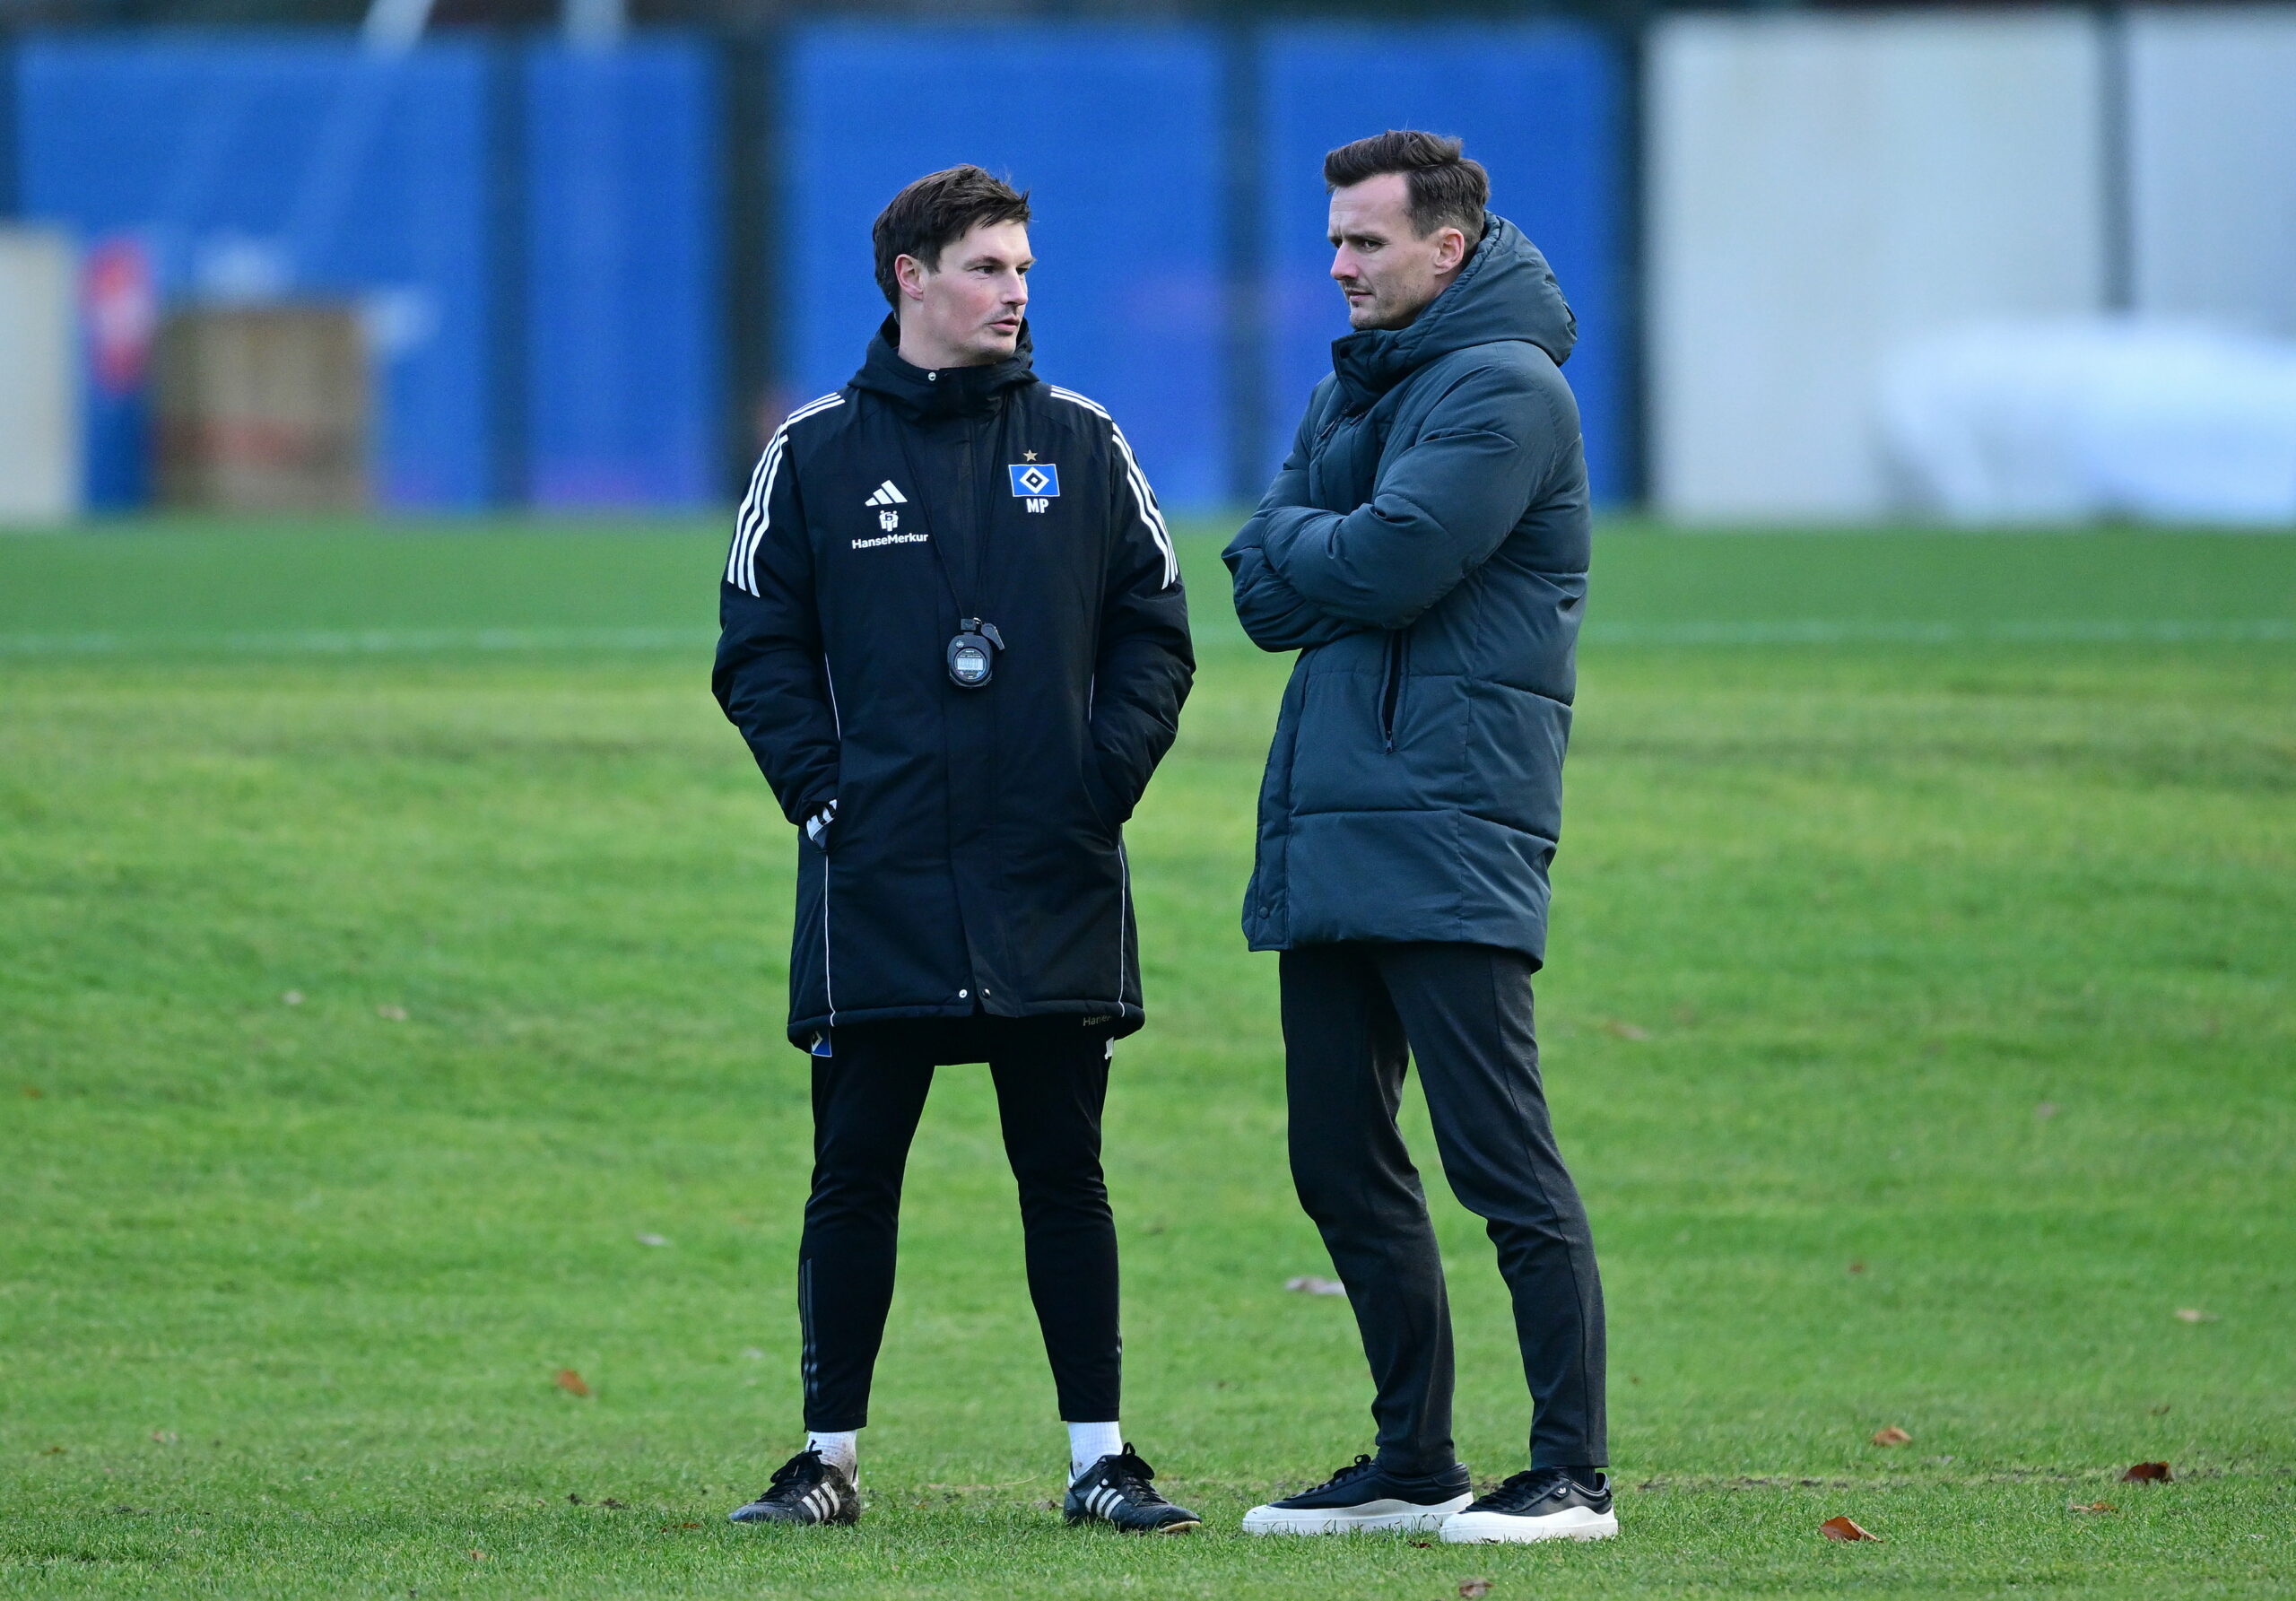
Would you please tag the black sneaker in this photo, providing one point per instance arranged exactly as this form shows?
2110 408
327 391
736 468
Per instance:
1363 1495
805 1490
1546 1503
1116 1490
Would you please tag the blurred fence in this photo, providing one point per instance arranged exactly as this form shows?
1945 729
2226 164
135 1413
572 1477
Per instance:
593 277
546 243
254 170
622 339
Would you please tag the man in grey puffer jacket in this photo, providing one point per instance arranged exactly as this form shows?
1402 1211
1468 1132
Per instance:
1424 549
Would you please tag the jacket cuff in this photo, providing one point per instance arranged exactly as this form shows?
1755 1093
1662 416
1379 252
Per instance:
798 811
1114 811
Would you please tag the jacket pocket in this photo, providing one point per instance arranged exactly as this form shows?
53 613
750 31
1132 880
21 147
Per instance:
1099 796
1391 686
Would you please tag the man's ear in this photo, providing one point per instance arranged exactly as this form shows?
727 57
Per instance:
1450 250
908 275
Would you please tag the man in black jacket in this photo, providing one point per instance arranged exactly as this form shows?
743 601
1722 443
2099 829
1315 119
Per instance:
955 641
1424 549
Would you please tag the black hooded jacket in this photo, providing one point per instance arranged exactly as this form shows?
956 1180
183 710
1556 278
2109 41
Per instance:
1424 549
976 862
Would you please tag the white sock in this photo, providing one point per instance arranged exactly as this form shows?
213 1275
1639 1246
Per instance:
843 1449
1089 1442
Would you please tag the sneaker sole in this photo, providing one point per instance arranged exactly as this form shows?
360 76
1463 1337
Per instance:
1417 1520
1089 1521
792 1522
1501 1528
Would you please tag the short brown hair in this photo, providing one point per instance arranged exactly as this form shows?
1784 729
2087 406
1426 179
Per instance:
1447 190
934 213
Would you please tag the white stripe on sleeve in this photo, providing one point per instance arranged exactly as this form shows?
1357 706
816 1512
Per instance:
1145 497
751 522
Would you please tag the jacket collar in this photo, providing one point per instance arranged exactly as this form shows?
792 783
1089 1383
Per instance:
1505 291
927 395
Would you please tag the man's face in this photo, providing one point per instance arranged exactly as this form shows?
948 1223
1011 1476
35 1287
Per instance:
1388 273
966 311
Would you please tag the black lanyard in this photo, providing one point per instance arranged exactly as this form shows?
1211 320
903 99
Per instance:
933 534
971 653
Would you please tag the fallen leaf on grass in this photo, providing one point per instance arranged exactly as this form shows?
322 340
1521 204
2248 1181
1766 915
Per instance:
655 1240
1857 1267
1624 1031
33 1092
2194 1315
2147 1473
1307 1283
2094 1505
1423 1544
569 1380
1892 1435
1473 1588
163 1437
2160 1411
1842 1528
391 1013
478 1556
55 1450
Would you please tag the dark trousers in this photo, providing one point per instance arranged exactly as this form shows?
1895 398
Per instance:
1351 1013
1052 1080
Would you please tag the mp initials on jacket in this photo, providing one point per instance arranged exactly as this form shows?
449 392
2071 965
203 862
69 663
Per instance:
975 861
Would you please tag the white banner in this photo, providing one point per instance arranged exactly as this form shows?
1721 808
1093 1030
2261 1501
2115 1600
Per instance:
2212 153
1825 189
39 379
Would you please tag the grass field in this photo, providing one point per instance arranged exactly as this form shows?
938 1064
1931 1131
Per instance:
1920 1021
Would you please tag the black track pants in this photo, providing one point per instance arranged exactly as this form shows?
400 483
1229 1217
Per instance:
1464 1013
1051 1087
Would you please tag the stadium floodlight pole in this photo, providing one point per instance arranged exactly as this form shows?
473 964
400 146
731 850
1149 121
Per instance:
596 24
393 27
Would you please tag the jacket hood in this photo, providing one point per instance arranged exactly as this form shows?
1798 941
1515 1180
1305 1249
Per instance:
1505 291
925 393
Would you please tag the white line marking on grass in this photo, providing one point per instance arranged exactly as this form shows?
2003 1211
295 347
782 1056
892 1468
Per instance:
2069 631
363 641
382 641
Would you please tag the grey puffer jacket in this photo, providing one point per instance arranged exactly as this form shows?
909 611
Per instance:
1424 549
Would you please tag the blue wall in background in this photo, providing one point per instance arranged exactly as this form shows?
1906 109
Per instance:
268 166
624 393
1116 131
1538 106
538 238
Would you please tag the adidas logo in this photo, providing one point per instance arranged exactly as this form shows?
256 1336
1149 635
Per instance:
887 495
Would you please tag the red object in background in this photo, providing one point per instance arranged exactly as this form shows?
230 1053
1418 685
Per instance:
122 307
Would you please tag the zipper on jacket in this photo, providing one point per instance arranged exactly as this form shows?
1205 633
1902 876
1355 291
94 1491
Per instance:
1391 691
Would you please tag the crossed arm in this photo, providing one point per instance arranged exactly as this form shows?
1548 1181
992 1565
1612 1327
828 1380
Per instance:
1305 576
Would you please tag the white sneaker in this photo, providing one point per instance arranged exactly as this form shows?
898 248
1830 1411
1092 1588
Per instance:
1364 1497
1546 1503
